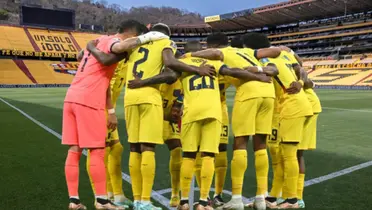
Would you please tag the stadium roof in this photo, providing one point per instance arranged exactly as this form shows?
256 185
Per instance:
286 12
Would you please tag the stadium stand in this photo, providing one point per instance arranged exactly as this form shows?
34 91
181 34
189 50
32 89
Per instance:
14 38
44 72
11 74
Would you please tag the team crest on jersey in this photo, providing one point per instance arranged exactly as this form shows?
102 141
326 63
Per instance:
65 68
264 60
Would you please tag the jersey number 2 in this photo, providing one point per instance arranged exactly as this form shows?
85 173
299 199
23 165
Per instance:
140 61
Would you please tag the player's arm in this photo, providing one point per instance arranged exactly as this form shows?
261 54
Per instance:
171 62
106 59
210 54
271 52
243 75
112 121
308 83
131 43
80 55
269 70
167 76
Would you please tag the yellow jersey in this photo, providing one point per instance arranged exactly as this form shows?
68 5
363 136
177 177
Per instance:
241 58
310 93
201 93
146 61
118 80
170 93
291 105
224 84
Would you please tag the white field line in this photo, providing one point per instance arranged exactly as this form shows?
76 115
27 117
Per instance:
155 195
349 110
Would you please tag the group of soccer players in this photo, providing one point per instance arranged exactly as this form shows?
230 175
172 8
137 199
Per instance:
180 100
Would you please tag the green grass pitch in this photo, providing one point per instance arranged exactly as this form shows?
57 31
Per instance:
32 160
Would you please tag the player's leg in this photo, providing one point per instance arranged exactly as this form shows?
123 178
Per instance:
197 169
190 138
171 136
221 159
150 134
114 169
242 127
291 132
92 134
70 138
132 118
265 109
210 139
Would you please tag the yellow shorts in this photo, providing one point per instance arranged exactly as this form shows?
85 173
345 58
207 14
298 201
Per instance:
309 139
273 138
203 134
291 130
144 123
170 130
112 135
252 116
225 125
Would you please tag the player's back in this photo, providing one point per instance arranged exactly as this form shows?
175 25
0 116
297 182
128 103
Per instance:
292 105
241 58
146 61
92 78
118 80
201 93
170 93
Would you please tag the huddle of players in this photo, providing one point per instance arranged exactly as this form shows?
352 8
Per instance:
153 111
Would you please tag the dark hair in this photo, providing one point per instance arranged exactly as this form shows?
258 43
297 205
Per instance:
217 39
237 42
256 41
161 27
128 25
192 46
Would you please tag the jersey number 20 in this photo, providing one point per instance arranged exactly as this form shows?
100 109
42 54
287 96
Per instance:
140 61
195 84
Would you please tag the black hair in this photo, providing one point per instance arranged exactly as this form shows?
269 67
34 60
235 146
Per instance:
217 39
192 46
256 41
237 42
161 27
128 25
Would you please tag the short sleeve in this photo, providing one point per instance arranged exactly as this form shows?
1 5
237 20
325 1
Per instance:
171 45
111 43
219 65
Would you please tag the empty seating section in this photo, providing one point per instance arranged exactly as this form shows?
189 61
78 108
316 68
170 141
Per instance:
14 38
83 38
53 41
344 76
11 74
44 73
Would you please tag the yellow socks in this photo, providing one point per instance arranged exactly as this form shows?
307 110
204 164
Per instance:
289 154
238 166
300 186
148 174
197 169
221 168
114 167
186 176
175 170
135 174
207 172
262 170
278 173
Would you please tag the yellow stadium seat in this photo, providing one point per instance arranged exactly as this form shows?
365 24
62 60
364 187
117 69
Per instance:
83 38
44 73
11 74
14 38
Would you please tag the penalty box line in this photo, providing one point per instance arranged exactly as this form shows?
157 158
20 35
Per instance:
155 195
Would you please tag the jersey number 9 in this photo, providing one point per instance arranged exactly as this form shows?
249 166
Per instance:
140 61
196 84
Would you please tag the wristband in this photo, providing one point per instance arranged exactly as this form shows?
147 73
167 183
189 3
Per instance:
143 38
313 84
111 111
259 69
